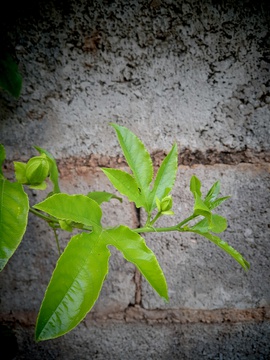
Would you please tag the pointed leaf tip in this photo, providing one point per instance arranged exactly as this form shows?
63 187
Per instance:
138 159
74 287
135 250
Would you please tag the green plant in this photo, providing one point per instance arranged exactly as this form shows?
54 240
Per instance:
84 263
10 77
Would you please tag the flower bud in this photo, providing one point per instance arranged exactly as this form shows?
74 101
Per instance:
166 203
37 169
164 206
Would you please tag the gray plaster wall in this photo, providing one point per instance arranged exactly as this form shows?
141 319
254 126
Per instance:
191 72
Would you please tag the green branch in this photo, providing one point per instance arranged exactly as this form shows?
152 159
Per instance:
49 219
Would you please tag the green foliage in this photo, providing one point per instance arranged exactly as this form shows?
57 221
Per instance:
2 159
54 176
211 223
74 286
102 196
136 186
14 209
134 249
83 266
10 78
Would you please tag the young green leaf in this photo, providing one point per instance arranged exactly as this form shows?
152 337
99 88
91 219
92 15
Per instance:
66 225
226 247
41 186
218 202
212 193
20 172
218 224
126 185
134 249
202 226
165 177
78 208
14 207
201 209
195 186
102 196
138 159
74 287
2 159
53 169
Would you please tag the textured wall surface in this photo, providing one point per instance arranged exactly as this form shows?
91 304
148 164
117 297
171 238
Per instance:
192 72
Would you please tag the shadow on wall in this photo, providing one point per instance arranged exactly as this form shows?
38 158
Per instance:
9 345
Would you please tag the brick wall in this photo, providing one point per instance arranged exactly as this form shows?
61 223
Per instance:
193 72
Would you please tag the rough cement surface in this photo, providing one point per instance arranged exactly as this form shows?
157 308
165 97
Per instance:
192 72
199 274
135 341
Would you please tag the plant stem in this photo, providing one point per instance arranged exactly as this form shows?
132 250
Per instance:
57 241
148 219
54 223
44 217
191 217
155 219
177 227
153 229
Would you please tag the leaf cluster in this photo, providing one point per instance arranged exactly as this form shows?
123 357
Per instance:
84 264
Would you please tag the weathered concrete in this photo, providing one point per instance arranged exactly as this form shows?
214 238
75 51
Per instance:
200 275
192 72
158 342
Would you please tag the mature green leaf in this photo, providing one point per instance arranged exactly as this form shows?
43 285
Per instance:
102 196
78 208
195 186
134 249
218 224
138 159
212 193
54 176
14 207
74 287
20 172
217 202
126 185
226 247
2 159
165 177
10 78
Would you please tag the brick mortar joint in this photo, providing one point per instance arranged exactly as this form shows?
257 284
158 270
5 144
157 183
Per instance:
137 314
186 157
184 316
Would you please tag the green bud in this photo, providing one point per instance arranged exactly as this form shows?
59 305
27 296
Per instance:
37 169
164 206
166 203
